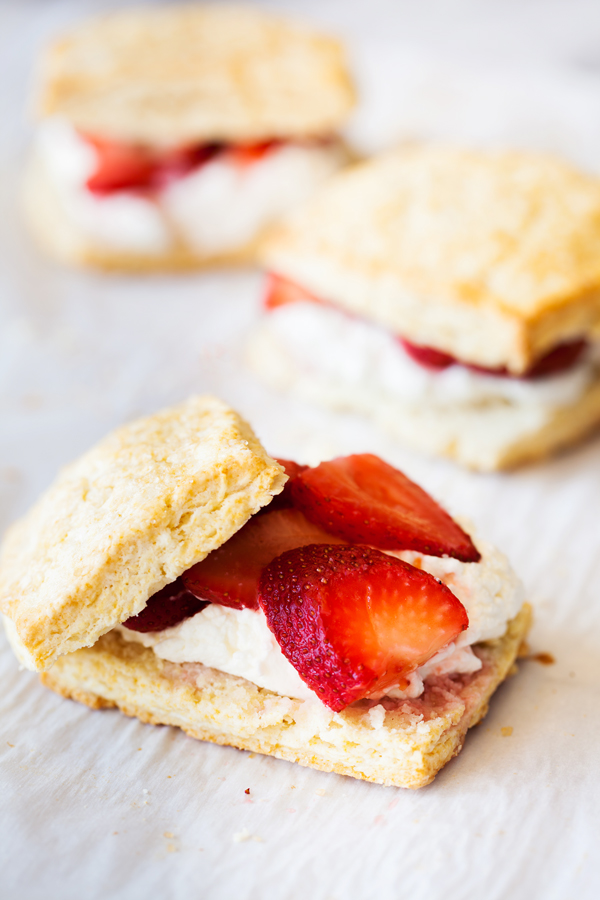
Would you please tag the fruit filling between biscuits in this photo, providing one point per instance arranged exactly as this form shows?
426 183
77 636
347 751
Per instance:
139 167
282 292
211 197
329 586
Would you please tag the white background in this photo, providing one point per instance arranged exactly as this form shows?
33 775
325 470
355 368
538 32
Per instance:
95 805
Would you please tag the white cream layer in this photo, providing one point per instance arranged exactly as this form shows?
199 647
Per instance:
217 208
239 642
350 353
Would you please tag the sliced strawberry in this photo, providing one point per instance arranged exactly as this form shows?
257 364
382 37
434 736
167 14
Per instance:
229 575
166 608
176 162
557 360
353 621
247 154
120 166
428 356
281 291
365 501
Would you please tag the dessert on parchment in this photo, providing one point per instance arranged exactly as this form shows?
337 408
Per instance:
334 615
174 137
451 295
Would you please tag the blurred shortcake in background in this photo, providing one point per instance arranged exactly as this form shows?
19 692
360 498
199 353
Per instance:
174 137
452 295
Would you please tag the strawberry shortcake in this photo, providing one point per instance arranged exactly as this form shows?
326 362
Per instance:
175 137
333 615
451 295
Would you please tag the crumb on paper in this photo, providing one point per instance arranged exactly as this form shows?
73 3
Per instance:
240 837
171 848
546 659
247 791
251 755
506 730
168 834
9 744
320 792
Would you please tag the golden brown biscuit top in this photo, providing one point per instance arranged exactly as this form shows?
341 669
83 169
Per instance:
130 516
196 73
510 235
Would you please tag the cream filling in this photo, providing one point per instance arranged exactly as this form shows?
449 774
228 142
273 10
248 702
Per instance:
358 356
240 642
223 205
218 207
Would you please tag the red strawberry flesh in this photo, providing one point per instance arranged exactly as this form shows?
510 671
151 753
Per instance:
364 500
281 291
559 359
166 608
353 621
119 166
229 575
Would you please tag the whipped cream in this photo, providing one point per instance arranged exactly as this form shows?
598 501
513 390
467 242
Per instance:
124 221
240 642
217 207
223 205
366 359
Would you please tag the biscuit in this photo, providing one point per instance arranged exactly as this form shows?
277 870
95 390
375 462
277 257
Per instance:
492 257
404 746
196 73
127 518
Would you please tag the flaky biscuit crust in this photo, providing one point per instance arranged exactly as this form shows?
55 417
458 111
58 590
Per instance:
196 73
492 257
405 749
132 514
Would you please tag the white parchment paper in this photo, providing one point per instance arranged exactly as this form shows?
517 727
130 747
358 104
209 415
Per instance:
96 805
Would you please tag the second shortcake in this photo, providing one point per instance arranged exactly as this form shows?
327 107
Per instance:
452 295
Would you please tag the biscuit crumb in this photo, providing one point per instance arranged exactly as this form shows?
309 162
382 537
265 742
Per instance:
320 792
247 791
9 744
168 834
546 659
506 731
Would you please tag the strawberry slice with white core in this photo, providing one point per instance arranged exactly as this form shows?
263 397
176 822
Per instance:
364 500
229 575
353 621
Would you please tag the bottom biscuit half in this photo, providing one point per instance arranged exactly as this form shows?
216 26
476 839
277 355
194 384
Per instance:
402 743
485 437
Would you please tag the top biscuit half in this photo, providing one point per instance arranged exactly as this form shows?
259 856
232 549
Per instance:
130 516
196 73
492 257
